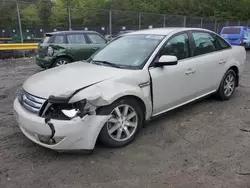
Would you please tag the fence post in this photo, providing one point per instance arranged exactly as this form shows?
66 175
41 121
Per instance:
184 21
227 23
69 17
19 21
215 25
139 21
247 23
202 22
110 22
239 23
164 21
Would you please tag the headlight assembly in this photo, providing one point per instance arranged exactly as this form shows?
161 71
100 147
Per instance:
70 113
50 51
67 111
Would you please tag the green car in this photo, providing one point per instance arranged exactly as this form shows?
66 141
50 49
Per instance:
63 47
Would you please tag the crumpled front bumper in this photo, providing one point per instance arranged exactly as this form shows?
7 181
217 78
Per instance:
75 134
45 62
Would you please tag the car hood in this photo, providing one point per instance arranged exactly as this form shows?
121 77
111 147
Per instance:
64 80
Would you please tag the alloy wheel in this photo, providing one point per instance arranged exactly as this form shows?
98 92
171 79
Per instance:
61 62
123 123
229 85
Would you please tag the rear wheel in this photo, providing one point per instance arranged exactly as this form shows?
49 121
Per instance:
227 86
122 127
61 61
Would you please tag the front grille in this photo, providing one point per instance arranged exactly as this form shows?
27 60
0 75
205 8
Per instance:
31 102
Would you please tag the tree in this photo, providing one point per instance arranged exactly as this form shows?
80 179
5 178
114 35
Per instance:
44 8
30 16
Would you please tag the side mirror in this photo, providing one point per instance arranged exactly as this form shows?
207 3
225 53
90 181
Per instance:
166 60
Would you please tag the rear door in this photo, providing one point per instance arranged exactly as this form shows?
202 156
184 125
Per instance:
210 60
77 46
96 41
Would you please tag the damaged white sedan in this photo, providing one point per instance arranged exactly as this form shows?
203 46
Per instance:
134 78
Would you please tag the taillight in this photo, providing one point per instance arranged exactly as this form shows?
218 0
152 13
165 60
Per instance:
241 41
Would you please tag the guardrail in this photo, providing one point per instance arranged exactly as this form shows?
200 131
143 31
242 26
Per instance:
7 38
19 46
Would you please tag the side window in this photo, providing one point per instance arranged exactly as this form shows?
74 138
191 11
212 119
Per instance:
223 44
76 39
204 43
177 46
59 39
96 39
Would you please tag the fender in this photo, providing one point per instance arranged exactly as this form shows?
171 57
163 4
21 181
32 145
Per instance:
104 94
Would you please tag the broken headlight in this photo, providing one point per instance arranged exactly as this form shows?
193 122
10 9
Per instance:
50 51
67 111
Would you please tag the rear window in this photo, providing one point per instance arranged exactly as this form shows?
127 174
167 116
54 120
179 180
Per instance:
231 31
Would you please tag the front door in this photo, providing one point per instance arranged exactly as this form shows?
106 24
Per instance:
77 47
174 85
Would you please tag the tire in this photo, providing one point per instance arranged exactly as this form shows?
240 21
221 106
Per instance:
122 128
61 61
227 86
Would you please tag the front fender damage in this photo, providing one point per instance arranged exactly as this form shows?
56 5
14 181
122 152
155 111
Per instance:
85 108
78 133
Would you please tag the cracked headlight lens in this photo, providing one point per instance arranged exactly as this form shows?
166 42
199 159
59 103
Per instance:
70 113
50 51
67 111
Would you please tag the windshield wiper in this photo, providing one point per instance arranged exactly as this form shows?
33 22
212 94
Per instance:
107 63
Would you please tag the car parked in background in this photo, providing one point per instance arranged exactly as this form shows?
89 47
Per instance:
134 78
124 32
110 37
237 35
63 47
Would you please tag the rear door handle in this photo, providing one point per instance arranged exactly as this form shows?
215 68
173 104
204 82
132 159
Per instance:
190 71
221 62
95 48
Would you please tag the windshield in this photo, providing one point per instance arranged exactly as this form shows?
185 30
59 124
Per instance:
46 39
130 51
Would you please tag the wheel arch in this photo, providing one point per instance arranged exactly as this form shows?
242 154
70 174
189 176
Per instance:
138 99
236 70
64 56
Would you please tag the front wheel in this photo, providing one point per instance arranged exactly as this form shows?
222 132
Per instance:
122 127
227 86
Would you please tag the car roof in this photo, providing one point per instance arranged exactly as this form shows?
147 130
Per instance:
165 31
69 32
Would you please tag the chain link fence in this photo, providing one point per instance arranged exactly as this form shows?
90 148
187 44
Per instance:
23 21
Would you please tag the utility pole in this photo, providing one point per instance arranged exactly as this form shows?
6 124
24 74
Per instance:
19 21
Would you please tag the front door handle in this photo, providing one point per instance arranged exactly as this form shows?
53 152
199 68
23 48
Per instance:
221 62
190 71
95 48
